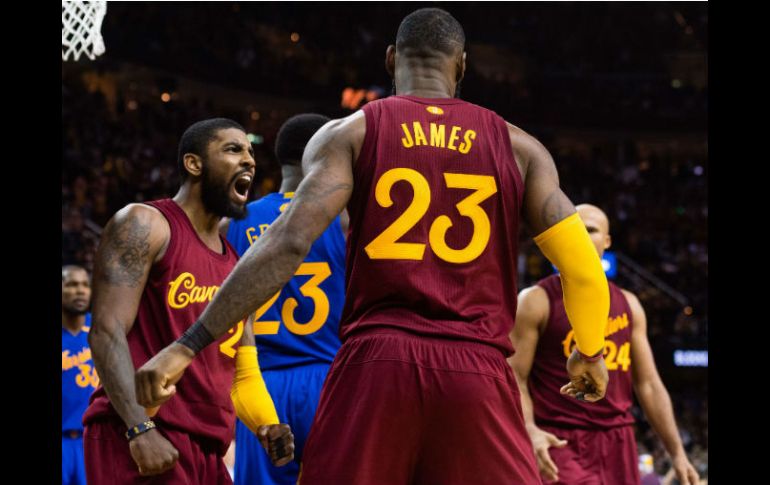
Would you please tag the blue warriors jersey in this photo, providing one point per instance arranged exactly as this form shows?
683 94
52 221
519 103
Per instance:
78 376
300 324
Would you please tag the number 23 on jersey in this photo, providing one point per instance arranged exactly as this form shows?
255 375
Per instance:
386 244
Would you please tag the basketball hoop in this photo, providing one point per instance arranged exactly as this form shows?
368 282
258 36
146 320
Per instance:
81 25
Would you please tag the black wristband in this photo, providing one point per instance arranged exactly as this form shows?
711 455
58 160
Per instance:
196 338
140 428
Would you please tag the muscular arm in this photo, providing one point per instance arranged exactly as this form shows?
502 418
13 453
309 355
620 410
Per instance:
648 386
563 239
531 316
272 260
132 240
544 202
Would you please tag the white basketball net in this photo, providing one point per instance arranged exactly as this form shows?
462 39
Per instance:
81 25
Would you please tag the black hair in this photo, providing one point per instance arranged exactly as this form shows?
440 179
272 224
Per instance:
426 31
294 135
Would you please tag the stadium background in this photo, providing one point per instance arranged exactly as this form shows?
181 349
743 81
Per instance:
618 92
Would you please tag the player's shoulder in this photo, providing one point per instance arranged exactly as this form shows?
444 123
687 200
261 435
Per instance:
139 223
484 109
139 213
631 298
626 293
533 295
523 141
353 125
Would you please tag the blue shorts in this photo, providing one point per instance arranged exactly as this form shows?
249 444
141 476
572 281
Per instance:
73 465
295 392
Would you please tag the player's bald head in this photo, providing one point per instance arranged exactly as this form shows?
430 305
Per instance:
595 215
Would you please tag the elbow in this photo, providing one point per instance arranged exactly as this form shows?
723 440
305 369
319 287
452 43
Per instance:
590 274
295 245
94 336
99 335
645 390
589 277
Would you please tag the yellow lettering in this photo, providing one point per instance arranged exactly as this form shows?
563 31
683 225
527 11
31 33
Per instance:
419 135
84 355
385 246
437 135
311 289
407 141
484 187
453 137
624 356
249 235
227 347
196 294
568 343
183 299
616 324
66 361
84 378
466 146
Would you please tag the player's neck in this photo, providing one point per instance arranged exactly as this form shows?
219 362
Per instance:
72 323
204 222
424 82
291 176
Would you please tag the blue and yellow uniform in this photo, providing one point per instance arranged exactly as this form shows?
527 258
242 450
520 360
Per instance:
78 381
297 336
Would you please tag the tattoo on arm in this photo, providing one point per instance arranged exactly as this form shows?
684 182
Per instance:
555 208
126 249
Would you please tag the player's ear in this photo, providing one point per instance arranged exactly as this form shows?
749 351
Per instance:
193 164
461 67
390 60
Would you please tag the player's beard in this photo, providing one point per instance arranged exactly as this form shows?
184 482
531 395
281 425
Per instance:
74 312
215 196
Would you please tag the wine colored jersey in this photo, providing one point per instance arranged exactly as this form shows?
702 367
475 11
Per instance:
178 288
549 374
434 220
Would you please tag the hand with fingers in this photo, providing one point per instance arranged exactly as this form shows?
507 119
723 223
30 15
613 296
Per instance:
685 471
155 380
541 442
152 453
588 377
278 441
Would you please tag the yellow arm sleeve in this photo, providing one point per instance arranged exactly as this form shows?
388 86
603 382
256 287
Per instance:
253 404
586 293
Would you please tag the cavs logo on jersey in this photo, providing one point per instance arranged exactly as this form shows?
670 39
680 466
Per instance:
434 110
614 357
183 291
